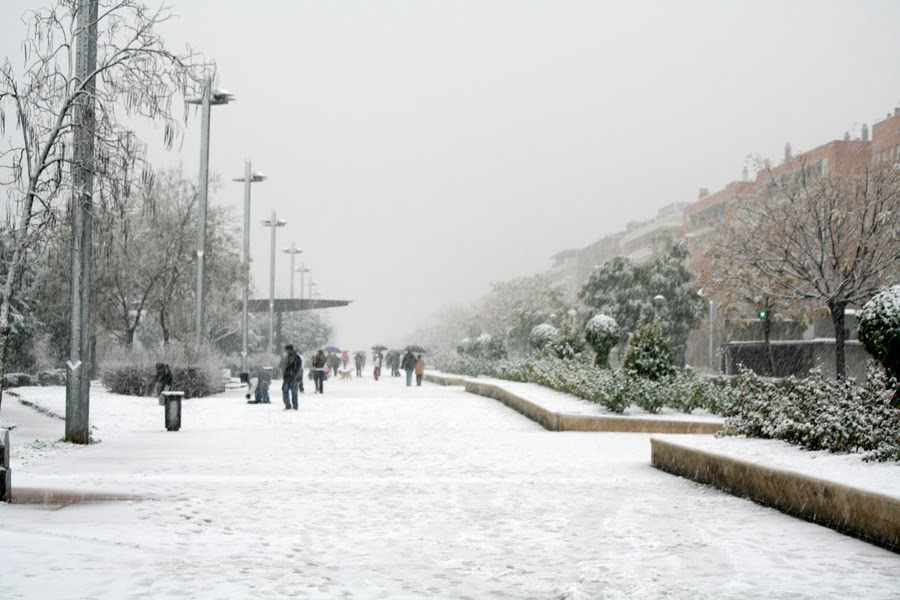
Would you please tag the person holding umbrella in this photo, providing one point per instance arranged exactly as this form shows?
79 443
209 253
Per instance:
360 360
409 365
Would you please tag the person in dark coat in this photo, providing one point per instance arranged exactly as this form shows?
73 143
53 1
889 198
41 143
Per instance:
292 371
319 366
360 360
377 360
409 365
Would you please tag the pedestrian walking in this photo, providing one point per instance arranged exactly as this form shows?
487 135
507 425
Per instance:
420 370
319 366
335 364
292 373
395 364
409 365
345 358
360 359
300 373
377 359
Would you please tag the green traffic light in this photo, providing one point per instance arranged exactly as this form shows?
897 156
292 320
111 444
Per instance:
762 314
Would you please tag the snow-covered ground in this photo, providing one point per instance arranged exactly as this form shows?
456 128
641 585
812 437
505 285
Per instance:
375 490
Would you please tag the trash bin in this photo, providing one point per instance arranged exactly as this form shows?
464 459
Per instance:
172 402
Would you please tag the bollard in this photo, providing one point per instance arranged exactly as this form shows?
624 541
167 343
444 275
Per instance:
5 472
173 410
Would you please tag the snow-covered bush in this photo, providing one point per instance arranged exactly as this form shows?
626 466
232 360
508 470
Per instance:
542 335
195 371
484 346
649 353
615 389
879 329
818 413
602 333
567 345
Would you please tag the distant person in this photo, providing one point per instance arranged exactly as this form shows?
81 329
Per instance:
163 382
409 365
319 366
302 368
395 365
258 381
420 370
377 359
345 358
291 369
335 364
360 359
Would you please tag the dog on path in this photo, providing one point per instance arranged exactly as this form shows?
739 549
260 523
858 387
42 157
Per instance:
348 374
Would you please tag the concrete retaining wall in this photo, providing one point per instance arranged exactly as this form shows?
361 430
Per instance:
870 516
554 421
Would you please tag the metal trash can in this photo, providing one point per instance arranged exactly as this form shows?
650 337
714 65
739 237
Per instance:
172 402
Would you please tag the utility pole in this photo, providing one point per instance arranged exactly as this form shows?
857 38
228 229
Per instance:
78 380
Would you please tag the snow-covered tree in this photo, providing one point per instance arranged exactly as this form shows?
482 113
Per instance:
828 239
624 290
542 335
135 75
602 333
879 329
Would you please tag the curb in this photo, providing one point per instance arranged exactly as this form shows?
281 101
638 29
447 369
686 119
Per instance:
870 516
554 421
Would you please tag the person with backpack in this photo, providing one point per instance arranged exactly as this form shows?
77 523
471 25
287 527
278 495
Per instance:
292 372
409 365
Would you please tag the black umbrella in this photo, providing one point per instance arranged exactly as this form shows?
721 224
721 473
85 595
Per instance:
416 349
379 347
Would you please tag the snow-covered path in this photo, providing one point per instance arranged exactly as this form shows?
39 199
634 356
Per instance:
375 490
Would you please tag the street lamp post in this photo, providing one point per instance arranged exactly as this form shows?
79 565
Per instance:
293 251
311 284
209 98
248 178
273 223
303 271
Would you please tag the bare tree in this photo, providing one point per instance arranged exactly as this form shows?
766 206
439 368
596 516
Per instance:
135 75
827 239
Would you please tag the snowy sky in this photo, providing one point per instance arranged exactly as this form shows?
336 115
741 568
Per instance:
420 150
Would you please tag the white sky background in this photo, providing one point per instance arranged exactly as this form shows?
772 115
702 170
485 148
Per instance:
420 150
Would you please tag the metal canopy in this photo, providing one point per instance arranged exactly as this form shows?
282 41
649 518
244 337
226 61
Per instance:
283 305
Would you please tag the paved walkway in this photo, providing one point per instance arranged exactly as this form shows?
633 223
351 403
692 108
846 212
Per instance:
375 490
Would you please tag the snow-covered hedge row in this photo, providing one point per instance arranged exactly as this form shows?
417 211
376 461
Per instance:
196 372
614 389
49 377
818 413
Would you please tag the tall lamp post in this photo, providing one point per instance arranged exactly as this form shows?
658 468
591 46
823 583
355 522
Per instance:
272 223
293 251
248 178
311 284
303 271
209 98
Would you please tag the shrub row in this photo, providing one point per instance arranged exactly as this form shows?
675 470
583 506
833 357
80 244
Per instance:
49 377
817 413
616 390
195 371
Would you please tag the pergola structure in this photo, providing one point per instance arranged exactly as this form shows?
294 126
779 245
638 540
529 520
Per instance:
291 305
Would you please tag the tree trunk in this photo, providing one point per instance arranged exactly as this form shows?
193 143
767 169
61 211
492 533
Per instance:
165 328
837 318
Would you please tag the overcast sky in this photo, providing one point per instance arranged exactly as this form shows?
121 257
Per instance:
420 150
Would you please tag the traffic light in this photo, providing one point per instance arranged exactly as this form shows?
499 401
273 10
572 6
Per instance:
762 314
